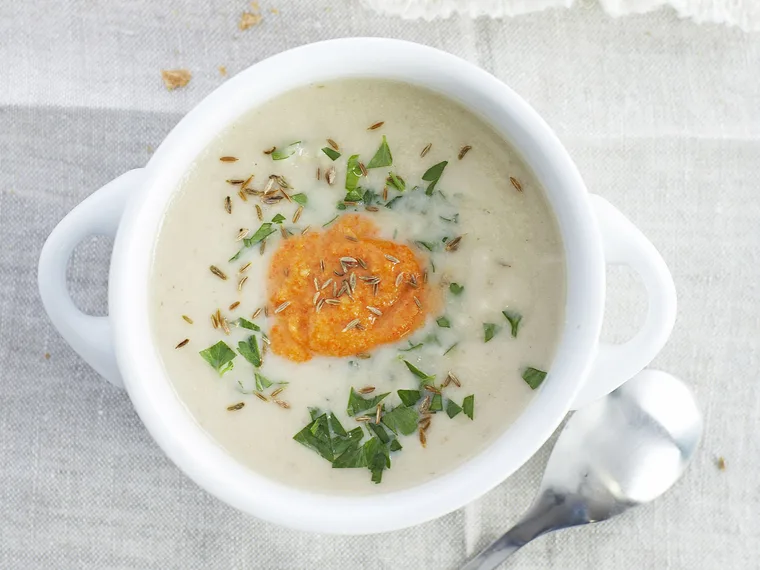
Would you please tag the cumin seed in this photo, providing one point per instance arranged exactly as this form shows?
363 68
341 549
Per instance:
431 388
214 322
361 262
305 230
242 234
330 175
182 343
259 213
319 305
187 319
235 407
425 404
367 389
399 279
262 247
282 307
225 326
376 126
363 168
375 310
392 259
326 283
270 150
283 232
454 379
322 265
425 277
266 310
228 204
315 298
363 419
423 438
261 396
363 356
228 159
277 392
287 196
378 413
244 267
425 423
385 193
333 144
426 150
516 183
297 215
256 313
352 325
233 306
218 272
234 181
453 245
319 173
282 404
372 208
332 301
464 150
242 195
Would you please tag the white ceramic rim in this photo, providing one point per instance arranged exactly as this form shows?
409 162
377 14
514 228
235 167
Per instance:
175 430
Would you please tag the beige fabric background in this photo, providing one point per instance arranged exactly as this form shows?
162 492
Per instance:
663 118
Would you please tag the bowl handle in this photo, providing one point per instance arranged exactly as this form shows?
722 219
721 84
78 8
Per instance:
624 244
99 214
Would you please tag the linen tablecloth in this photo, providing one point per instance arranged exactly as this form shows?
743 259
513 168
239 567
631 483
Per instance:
663 118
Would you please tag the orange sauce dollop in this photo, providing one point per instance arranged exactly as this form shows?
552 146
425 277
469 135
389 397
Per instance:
389 298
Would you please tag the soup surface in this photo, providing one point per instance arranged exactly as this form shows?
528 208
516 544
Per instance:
349 252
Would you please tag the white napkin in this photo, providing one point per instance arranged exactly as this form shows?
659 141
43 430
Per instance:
742 13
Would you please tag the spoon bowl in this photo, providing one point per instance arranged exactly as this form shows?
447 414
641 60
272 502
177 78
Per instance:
623 450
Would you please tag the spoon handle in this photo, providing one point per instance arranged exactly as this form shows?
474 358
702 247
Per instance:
552 511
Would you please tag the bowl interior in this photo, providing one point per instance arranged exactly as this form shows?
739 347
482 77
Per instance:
165 416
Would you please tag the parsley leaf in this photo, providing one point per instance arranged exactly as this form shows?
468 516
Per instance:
262 382
250 351
382 156
300 198
533 377
468 405
417 372
436 404
264 231
443 322
489 330
412 347
396 181
377 458
449 349
426 244
328 442
332 153
379 431
396 445
278 219
219 357
355 195
392 202
409 397
246 324
514 321
353 172
433 175
456 289
358 404
453 409
287 152
401 420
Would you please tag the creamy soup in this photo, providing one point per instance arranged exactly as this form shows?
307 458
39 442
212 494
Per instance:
357 286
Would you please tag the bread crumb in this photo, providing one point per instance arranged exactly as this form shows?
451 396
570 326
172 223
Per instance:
47 356
248 20
721 463
222 70
174 78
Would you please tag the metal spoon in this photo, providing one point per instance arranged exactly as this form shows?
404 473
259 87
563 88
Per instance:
619 452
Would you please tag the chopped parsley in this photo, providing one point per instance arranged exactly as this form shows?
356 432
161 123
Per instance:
382 156
219 356
262 382
443 322
396 181
264 231
353 173
433 175
246 324
456 289
300 198
417 372
489 330
249 349
453 409
287 152
332 153
468 406
533 377
401 420
409 397
358 404
278 219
